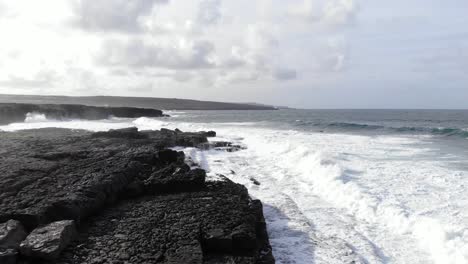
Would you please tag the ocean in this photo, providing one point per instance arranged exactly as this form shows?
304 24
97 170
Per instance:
338 186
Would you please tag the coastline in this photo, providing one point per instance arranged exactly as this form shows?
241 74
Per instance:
131 199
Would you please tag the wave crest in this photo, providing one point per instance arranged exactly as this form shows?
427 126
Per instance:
34 117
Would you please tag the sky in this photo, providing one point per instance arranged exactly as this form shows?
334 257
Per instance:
299 53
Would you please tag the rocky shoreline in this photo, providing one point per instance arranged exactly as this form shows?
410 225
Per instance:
122 196
14 112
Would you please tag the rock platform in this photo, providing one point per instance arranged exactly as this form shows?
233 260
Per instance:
122 196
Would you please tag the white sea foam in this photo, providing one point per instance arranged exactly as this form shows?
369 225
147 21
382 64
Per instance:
173 113
335 198
35 117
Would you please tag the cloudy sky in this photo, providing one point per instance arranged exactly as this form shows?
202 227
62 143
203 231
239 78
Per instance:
301 53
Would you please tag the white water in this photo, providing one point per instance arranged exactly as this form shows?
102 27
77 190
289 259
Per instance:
336 198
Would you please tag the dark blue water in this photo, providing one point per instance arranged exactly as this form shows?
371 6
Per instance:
442 123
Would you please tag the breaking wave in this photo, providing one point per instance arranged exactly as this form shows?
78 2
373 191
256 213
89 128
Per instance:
306 177
36 117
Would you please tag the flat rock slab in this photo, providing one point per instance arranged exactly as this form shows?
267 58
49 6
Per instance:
47 242
48 175
133 199
176 228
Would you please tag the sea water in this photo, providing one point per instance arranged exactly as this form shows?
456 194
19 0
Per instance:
338 186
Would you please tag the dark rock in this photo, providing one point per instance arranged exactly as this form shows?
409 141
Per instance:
254 181
220 145
10 112
134 189
134 200
168 131
244 238
47 242
218 224
127 133
190 139
210 134
170 156
55 174
216 240
11 234
8 255
175 179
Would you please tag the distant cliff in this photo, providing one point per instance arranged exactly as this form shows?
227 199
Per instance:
144 102
12 112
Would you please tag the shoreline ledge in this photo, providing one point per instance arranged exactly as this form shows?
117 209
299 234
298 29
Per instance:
122 196
16 112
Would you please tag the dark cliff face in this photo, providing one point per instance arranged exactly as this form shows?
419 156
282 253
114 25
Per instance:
13 112
132 199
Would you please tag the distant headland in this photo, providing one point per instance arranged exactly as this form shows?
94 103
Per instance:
140 102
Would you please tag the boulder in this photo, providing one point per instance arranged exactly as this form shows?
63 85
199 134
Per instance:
47 242
11 234
210 134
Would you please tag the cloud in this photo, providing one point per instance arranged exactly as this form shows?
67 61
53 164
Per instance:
284 74
39 80
182 54
2 10
327 13
340 12
113 15
209 12
307 10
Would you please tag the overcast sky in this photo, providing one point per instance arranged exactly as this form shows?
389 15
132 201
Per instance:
301 53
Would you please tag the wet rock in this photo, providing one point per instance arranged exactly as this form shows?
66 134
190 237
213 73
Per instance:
254 181
47 242
220 145
11 234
